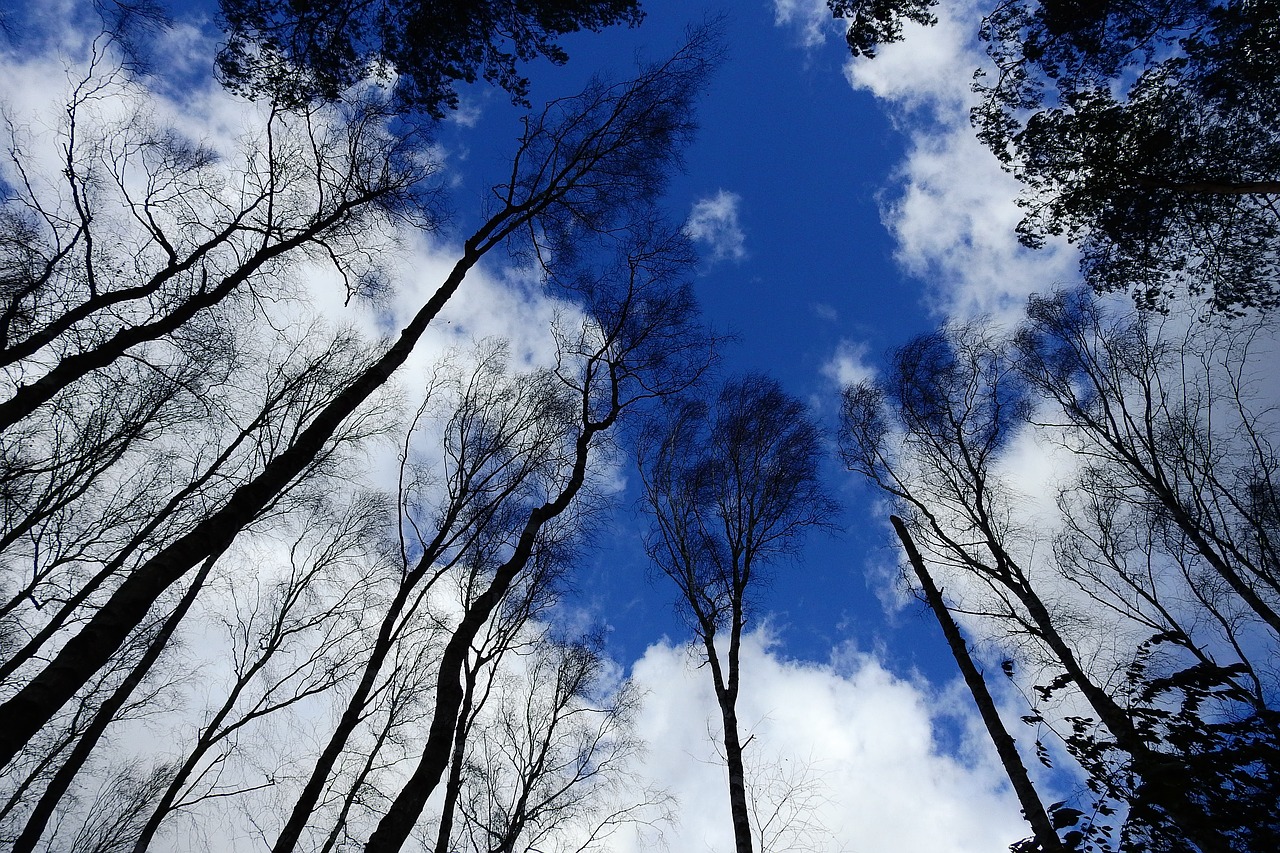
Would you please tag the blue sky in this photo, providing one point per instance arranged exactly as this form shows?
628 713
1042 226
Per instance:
784 188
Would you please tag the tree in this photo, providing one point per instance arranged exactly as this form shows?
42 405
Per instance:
731 486
582 167
636 347
872 24
288 643
174 410
319 50
1148 136
499 447
1045 836
1178 731
1145 134
547 766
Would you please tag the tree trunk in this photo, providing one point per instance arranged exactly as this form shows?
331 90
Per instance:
70 768
453 785
1032 807
726 689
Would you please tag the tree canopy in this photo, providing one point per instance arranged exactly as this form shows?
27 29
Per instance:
1145 134
318 48
1148 136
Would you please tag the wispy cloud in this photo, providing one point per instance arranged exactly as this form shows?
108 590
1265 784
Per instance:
850 364
714 223
812 19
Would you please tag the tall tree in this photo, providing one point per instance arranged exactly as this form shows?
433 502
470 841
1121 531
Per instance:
1179 734
1044 837
732 486
641 343
586 166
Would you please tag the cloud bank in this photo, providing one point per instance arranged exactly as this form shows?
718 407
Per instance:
858 748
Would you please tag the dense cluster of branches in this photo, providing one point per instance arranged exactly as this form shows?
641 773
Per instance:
1148 617
1148 135
189 546
320 49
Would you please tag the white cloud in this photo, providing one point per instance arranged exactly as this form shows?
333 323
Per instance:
714 222
468 112
812 19
954 213
850 364
862 744
826 312
931 67
954 222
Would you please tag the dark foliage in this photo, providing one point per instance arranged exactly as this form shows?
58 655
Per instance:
1146 134
315 49
876 22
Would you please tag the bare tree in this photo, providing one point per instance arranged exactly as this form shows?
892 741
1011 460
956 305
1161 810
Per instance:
785 797
732 486
108 712
584 166
498 445
639 343
507 633
1170 697
1045 835
294 641
548 764
111 821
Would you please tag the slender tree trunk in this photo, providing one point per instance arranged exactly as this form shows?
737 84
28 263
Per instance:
340 822
84 654
453 785
726 690
305 805
1161 774
395 826
737 777
1032 807
61 782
